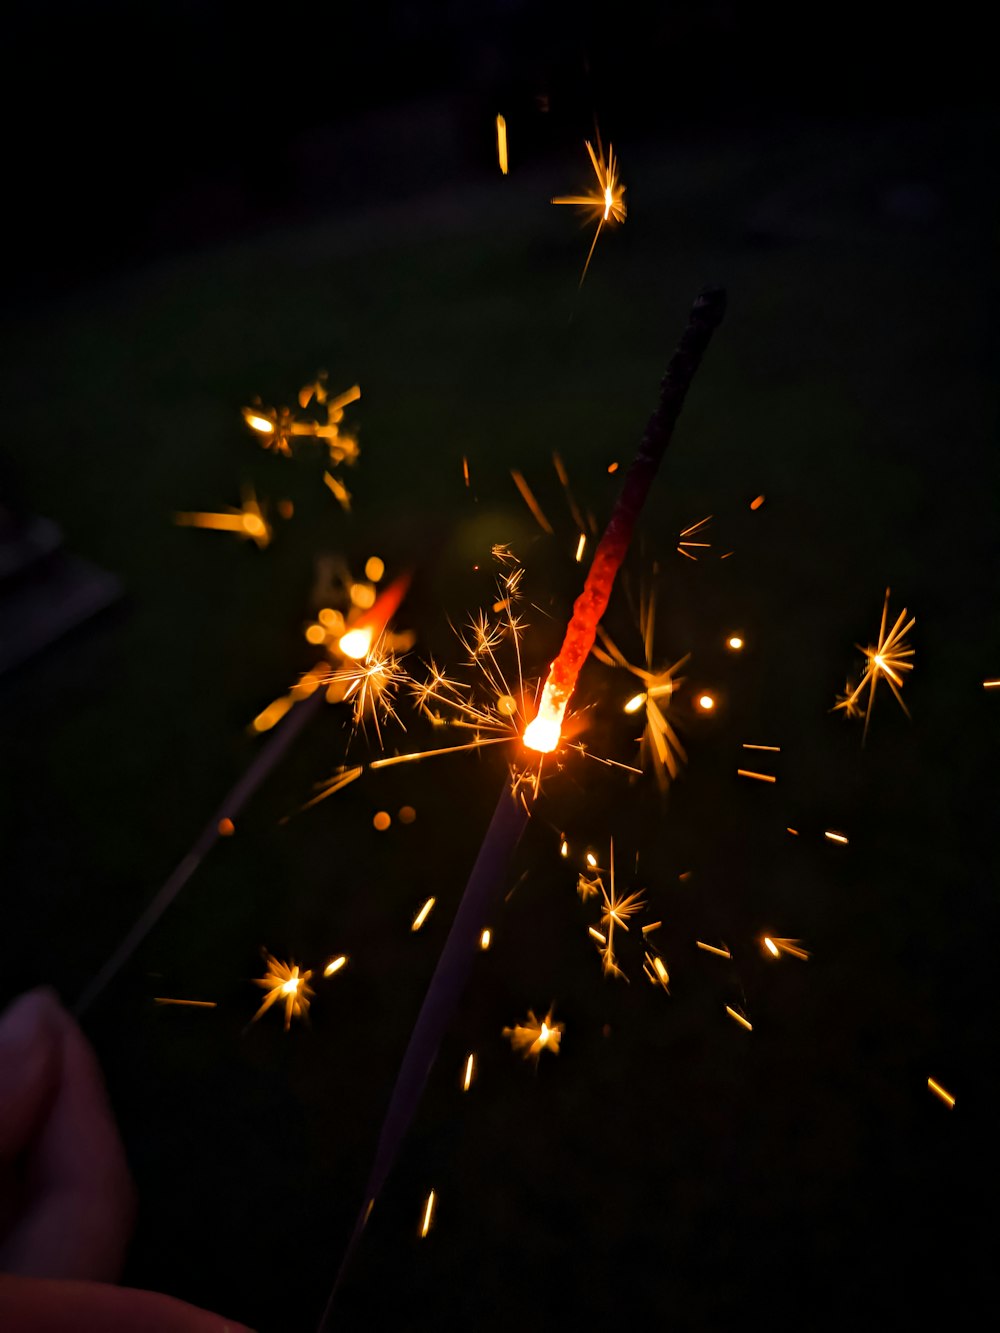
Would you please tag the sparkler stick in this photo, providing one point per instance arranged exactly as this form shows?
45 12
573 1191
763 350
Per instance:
516 798
262 765
706 314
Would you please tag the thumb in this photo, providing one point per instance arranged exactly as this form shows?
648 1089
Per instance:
29 1068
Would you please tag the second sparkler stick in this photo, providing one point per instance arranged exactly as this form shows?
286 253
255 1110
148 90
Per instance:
542 735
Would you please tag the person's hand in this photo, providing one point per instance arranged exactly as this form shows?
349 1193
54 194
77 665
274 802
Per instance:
66 1197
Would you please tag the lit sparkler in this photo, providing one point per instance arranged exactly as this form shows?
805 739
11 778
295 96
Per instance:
285 984
886 660
606 204
544 732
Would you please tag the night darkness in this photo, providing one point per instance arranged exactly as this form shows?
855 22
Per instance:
206 204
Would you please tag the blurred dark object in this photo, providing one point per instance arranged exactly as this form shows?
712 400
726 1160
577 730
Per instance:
44 592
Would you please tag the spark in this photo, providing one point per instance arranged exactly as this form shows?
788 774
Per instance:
580 546
761 777
374 568
653 925
470 1071
887 660
564 848
772 749
427 1220
757 502
502 144
711 948
485 939
528 496
776 947
339 491
735 642
991 684
283 982
605 204
334 965
591 860
835 837
465 470
793 831
381 820
683 546
278 426
192 1004
617 910
407 814
588 888
660 747
226 828
533 1036
740 1018
247 522
706 703
356 643
660 976
423 914
938 1091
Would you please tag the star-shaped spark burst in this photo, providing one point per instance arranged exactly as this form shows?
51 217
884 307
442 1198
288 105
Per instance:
660 747
284 983
616 911
887 659
533 1036
606 204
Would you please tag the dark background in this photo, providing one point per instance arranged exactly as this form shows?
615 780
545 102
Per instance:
204 205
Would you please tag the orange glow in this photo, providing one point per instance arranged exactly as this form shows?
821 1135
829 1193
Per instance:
543 732
356 642
334 965
770 945
272 714
226 828
382 820
635 703
706 703
757 502
564 848
735 642
315 634
502 144
330 619
423 914
591 860
465 473
938 1091
407 814
363 595
710 948
485 939
260 424
743 1022
612 467
374 568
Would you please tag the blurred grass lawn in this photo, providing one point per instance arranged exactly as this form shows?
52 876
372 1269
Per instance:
653 1170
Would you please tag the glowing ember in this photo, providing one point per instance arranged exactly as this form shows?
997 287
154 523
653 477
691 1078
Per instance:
334 965
938 1091
835 837
739 1018
485 939
777 947
470 1071
423 914
502 144
226 828
734 642
382 820
706 703
427 1221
